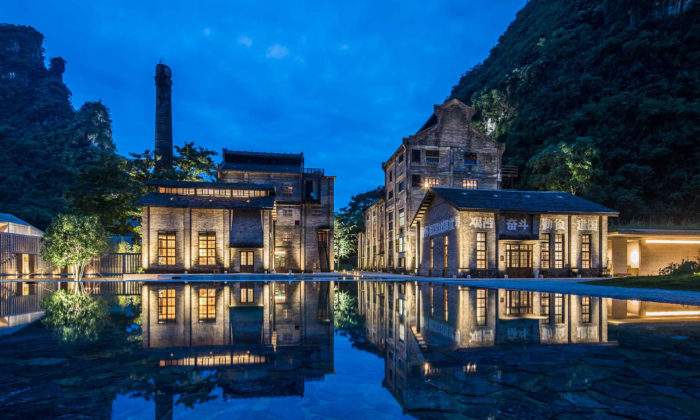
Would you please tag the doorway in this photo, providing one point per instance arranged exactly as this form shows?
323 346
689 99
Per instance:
519 260
247 262
280 261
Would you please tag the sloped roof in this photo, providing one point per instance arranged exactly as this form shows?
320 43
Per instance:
552 202
204 184
9 218
205 202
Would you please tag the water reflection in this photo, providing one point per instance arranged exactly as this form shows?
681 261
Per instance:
362 349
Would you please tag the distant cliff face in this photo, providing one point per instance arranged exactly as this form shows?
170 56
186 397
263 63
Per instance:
605 92
46 143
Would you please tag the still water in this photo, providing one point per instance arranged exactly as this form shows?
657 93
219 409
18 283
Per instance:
360 349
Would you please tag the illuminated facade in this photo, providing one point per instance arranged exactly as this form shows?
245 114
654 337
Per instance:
645 252
266 212
446 151
482 233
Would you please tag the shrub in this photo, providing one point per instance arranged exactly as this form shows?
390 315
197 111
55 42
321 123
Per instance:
685 267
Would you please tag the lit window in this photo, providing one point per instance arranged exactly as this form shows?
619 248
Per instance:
166 248
207 248
558 308
401 218
544 251
586 250
518 302
207 305
432 248
444 301
585 309
481 261
166 305
432 300
432 156
481 307
470 184
287 189
247 293
445 247
431 182
287 237
544 304
558 250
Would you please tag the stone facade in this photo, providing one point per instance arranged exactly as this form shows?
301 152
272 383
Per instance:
446 151
455 241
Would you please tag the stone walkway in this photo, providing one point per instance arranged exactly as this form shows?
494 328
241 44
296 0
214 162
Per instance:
565 285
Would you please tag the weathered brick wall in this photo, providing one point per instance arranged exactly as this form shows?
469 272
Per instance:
162 219
440 211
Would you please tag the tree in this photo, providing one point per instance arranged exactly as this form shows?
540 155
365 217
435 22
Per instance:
349 221
73 241
565 167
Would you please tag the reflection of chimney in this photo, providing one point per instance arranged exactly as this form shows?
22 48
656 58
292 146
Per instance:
164 119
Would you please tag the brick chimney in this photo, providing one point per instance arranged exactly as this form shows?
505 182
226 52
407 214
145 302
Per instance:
164 119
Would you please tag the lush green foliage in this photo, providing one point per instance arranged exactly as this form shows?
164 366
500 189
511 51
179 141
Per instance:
74 317
349 221
73 241
684 267
344 310
623 76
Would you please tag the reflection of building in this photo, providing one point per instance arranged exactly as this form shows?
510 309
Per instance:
646 251
517 233
265 212
635 311
222 313
261 338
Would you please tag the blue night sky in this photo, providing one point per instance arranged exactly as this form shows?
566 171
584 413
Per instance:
342 82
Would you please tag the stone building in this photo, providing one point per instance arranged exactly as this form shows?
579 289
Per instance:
484 233
264 212
446 151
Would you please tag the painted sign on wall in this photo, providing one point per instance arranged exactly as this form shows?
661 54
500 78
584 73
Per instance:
441 227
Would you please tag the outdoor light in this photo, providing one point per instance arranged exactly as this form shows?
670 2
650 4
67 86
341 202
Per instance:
672 241
634 258
672 313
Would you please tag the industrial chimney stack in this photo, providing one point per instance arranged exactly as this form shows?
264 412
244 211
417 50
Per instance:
164 119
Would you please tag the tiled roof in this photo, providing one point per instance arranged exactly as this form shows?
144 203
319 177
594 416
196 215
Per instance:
521 201
205 202
7 217
203 184
262 162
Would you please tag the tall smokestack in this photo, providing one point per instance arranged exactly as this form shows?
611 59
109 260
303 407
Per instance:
164 119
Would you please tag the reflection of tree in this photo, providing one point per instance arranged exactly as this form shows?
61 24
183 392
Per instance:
345 315
74 317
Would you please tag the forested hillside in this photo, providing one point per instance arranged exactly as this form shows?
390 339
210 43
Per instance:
601 98
53 156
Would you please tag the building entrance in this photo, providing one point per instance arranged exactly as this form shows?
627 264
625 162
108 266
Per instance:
519 260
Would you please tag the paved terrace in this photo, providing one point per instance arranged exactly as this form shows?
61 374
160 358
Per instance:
574 286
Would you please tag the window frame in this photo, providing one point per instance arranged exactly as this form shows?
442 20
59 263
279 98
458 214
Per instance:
207 304
164 253
167 306
432 156
481 308
559 250
209 251
546 251
586 255
481 251
470 184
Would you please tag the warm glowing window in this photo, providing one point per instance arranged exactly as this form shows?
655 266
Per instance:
205 191
432 156
247 293
207 305
432 300
444 301
558 250
432 248
207 248
481 307
470 184
518 302
586 250
166 248
558 308
431 182
544 303
287 189
287 237
166 305
545 254
585 309
481 261
445 249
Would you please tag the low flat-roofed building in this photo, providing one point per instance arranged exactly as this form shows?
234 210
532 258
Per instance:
488 233
645 252
20 243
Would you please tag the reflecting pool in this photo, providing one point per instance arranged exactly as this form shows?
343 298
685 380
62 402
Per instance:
359 349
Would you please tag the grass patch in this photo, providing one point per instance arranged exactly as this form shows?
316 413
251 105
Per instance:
689 282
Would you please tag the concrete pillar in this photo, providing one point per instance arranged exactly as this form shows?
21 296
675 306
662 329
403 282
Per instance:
619 255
